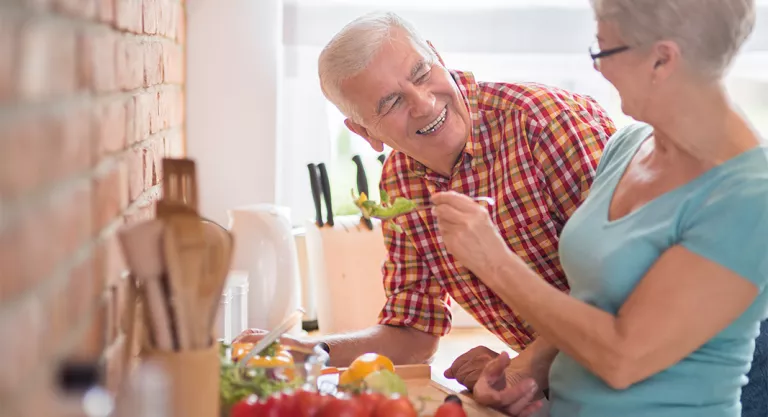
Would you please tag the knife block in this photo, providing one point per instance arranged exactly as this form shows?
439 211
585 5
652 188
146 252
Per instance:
193 377
344 264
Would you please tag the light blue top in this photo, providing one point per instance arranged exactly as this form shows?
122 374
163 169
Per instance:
723 216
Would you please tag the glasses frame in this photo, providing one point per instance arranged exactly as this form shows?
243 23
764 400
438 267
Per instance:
596 56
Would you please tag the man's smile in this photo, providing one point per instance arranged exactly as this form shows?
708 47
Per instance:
435 125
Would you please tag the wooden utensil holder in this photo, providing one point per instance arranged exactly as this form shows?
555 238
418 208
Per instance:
194 380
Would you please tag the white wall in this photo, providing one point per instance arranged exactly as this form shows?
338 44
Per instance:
234 77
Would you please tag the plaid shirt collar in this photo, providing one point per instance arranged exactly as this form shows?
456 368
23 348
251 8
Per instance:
473 150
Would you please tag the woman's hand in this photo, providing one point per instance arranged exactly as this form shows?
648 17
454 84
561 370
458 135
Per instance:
468 231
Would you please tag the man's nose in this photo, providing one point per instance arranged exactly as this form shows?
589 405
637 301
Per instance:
422 103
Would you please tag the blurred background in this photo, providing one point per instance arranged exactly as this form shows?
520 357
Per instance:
94 93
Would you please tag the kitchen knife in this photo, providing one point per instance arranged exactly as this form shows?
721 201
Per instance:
325 183
362 185
314 183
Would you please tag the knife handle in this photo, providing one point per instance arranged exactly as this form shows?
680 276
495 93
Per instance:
314 183
326 184
362 185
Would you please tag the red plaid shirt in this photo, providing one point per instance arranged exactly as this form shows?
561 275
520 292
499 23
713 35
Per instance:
534 149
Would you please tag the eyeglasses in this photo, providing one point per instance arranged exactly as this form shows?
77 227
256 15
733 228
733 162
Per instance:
597 54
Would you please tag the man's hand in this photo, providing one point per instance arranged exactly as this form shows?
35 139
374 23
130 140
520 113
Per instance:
506 388
466 369
402 345
255 335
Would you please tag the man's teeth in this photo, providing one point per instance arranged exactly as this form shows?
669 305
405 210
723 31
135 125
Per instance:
435 123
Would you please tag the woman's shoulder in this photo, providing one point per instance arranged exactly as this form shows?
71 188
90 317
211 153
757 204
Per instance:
622 145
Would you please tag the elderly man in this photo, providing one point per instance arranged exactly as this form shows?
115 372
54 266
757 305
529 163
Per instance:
534 149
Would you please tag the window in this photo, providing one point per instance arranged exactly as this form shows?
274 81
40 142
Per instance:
502 40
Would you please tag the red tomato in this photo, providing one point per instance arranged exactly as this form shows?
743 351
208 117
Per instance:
247 407
278 405
395 407
308 404
450 409
369 401
338 407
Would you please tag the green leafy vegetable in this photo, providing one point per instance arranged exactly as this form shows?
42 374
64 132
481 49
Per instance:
386 211
236 384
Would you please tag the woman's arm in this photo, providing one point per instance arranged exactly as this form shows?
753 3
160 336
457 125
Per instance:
668 316
683 300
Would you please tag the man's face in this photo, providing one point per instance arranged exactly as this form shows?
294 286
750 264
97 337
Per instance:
411 103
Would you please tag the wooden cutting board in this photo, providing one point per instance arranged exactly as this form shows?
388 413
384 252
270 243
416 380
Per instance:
423 390
427 395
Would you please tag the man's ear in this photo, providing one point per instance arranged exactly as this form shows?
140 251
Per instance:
439 58
359 130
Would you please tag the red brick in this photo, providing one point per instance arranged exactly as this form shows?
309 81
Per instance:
130 121
164 16
181 24
93 342
158 153
153 64
136 169
129 15
155 124
39 5
8 50
23 328
109 128
107 11
173 63
72 143
109 262
109 197
179 109
130 63
150 16
71 214
146 106
12 280
174 145
48 62
97 61
144 212
166 100
25 157
77 8
83 291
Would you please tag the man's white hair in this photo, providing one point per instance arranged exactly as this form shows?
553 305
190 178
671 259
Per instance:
352 49
708 32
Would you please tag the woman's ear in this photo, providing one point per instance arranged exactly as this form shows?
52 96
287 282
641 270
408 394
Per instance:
439 58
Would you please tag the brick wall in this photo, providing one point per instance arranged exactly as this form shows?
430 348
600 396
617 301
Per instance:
91 99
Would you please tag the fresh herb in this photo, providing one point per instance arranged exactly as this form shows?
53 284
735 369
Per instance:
386 211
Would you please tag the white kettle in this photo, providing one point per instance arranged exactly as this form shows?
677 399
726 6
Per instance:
265 248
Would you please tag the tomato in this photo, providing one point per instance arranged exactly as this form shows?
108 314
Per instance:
395 407
247 407
450 409
340 407
369 401
308 404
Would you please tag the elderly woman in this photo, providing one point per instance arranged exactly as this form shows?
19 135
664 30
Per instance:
668 256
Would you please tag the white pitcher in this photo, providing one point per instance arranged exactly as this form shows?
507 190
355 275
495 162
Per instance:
265 248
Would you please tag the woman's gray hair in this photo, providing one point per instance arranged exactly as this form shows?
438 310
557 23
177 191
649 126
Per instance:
352 49
708 32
